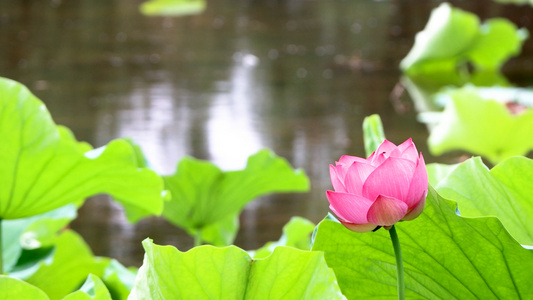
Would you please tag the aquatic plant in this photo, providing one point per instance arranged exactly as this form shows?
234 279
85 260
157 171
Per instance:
472 240
444 255
389 186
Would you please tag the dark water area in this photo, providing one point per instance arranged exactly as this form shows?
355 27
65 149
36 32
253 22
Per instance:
297 77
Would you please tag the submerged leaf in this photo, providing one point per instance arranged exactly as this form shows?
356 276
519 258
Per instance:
44 167
445 257
504 192
207 198
207 272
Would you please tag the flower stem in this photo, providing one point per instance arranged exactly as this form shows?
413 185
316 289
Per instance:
198 238
399 262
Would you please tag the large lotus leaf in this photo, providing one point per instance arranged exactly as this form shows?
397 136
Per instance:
203 195
482 126
292 274
296 233
44 167
448 34
445 256
16 289
33 232
92 289
453 37
208 272
173 7
68 267
221 233
504 192
135 212
202 273
437 172
499 39
142 161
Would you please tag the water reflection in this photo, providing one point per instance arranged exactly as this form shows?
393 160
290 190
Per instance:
294 76
232 135
147 116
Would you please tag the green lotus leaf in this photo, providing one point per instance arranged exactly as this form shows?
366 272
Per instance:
92 289
71 262
208 272
11 247
290 273
476 120
422 88
43 229
30 261
448 34
173 7
202 272
437 172
296 233
33 232
453 37
207 200
119 280
445 256
223 232
504 191
44 167
133 210
16 289
499 39
67 135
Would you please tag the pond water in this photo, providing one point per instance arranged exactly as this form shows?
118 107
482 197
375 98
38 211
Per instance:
297 77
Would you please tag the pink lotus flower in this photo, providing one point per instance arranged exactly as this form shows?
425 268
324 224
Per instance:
389 186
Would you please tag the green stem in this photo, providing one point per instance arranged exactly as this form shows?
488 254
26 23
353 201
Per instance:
399 262
1 251
198 238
